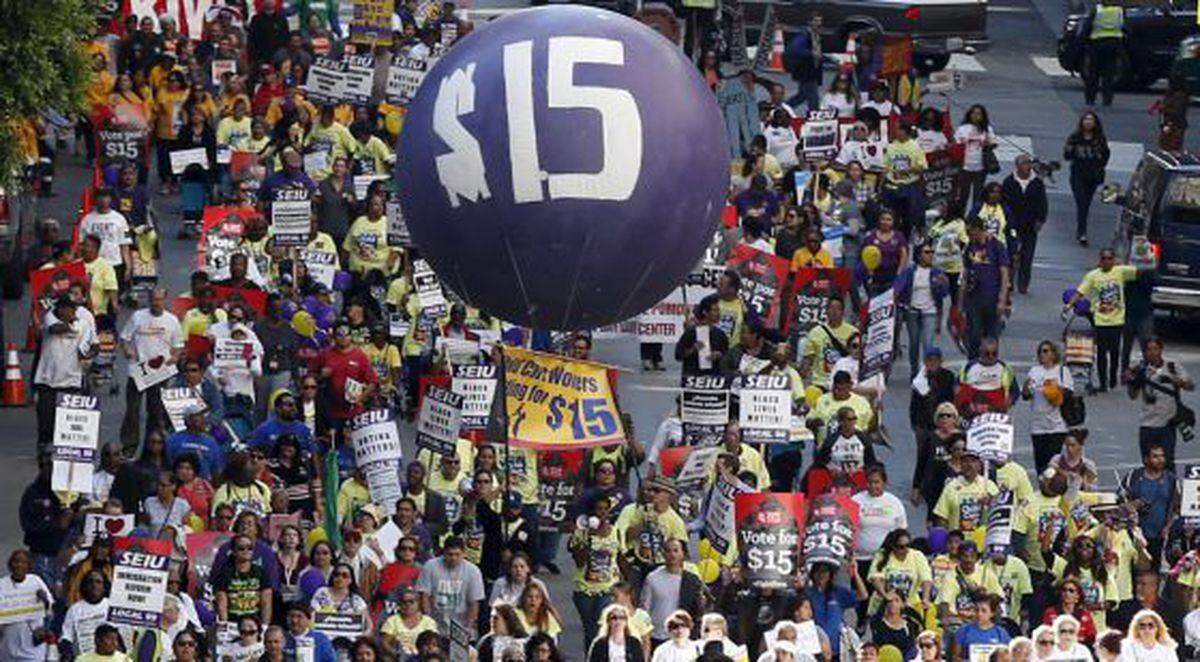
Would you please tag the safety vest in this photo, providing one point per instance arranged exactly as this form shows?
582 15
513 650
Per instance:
1108 22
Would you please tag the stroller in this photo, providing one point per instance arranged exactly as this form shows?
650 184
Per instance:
1079 350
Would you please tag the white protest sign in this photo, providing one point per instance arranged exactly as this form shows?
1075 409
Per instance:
404 79
359 72
230 353
291 222
663 322
991 436
383 482
152 371
1189 497
881 335
819 134
182 158
458 351
326 82
429 289
76 436
222 67
178 400
375 437
704 409
397 228
719 520
321 266
439 421
139 582
112 526
22 604
363 182
697 467
477 386
765 408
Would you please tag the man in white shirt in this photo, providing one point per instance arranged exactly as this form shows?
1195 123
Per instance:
112 228
66 341
151 337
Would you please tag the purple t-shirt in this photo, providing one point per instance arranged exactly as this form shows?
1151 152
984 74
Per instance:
889 249
983 263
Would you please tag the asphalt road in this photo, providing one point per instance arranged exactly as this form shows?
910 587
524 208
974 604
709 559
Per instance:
1033 106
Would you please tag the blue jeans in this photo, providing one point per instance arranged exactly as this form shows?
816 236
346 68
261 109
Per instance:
921 327
589 606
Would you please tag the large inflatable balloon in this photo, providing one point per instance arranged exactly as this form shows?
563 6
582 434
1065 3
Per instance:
563 167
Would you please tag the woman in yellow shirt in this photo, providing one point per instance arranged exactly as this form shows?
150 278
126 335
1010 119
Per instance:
400 631
536 612
169 119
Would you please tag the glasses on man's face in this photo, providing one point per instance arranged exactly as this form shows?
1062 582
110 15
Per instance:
408 548
342 574
675 626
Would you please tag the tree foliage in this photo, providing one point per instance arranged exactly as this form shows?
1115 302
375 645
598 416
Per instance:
42 66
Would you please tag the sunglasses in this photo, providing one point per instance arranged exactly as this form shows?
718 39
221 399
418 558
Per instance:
1068 631
1045 642
1147 625
188 643
928 644
616 617
243 548
675 626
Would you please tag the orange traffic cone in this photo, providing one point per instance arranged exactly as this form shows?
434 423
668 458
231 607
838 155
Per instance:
776 62
850 57
14 394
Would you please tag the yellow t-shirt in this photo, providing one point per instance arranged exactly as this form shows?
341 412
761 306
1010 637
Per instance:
395 627
1014 581
334 140
903 162
553 627
374 156
1121 543
654 529
233 133
963 505
366 242
1012 476
102 278
600 572
1040 514
1107 292
1096 595
957 588
994 220
827 407
384 360
351 496
824 353
733 316
806 258
905 577
522 466
466 458
949 238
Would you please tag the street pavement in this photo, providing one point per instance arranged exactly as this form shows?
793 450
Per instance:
1033 105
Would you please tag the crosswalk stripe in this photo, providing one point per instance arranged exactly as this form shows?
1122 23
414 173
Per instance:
1049 65
964 62
1007 9
1125 156
1009 147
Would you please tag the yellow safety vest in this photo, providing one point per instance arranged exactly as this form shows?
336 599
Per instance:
1108 22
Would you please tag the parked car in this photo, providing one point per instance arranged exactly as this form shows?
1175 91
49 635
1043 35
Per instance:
1187 64
1162 204
1153 32
937 27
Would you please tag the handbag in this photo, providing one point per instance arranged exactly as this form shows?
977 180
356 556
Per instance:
1073 409
991 164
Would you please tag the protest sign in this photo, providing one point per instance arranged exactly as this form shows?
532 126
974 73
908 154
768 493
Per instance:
555 402
999 522
321 266
325 82
449 33
704 409
110 526
256 300
383 484
560 483
764 279
832 525
819 135
291 222
120 146
359 82
230 353
76 436
1189 498
764 408
182 158
202 553
719 522
983 652
690 467
397 229
23 604
439 420
178 400
476 384
812 288
375 437
991 436
881 335
220 67
663 322
334 624
457 351
372 24
942 175
362 183
139 581
769 526
152 371
460 642
429 289
404 79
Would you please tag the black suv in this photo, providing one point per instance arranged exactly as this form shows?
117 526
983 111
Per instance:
1152 34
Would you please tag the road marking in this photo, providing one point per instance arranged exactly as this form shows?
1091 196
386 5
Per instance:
964 62
1007 9
1009 147
1049 65
1125 156
653 388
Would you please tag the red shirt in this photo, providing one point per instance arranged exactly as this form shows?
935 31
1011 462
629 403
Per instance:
345 365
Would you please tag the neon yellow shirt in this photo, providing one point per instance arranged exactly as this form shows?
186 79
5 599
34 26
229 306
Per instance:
1107 292
903 162
1014 580
963 505
904 577
824 353
366 242
1040 515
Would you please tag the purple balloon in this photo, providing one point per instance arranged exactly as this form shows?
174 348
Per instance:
563 167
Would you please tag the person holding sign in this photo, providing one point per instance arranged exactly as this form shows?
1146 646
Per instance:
903 164
963 504
112 228
66 341
152 339
242 589
27 600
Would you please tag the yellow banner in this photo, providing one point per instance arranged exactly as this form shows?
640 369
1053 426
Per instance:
557 403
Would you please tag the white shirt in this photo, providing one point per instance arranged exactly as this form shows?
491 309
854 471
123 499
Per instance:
781 143
668 435
82 619
931 141
974 140
101 484
884 108
1191 628
922 293
868 154
1133 651
113 231
16 639
1046 418
59 365
669 652
837 101
152 335
878 516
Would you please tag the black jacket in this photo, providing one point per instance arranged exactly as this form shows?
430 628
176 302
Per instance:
268 33
921 407
40 509
718 342
598 650
1028 207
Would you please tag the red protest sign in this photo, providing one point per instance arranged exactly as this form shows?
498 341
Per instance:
764 278
255 299
812 288
832 527
769 529
560 483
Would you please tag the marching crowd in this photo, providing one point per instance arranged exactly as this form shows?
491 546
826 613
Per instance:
278 548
